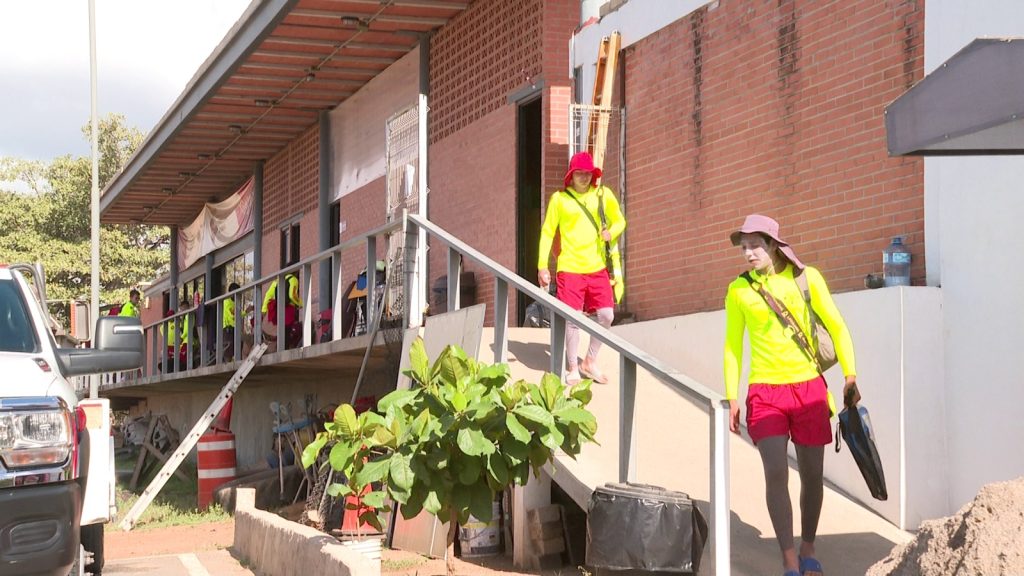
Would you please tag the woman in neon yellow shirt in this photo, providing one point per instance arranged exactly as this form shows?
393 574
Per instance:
787 396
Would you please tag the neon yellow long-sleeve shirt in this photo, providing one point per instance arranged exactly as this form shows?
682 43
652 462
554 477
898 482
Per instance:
774 357
582 248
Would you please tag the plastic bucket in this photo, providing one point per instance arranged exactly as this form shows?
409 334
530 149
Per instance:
482 538
216 463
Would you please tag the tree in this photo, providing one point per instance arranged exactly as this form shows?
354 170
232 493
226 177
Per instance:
50 222
455 439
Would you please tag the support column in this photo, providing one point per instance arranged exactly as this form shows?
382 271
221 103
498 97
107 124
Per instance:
174 268
324 208
257 221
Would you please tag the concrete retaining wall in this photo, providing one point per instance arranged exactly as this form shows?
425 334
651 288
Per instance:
273 546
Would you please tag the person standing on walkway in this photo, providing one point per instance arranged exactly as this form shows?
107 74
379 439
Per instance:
787 396
586 216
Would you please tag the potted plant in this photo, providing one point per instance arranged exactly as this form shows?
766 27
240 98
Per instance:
458 436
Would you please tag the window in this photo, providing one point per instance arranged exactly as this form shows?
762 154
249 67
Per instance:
335 224
16 331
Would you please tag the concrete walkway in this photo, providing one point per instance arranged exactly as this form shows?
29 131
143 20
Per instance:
212 563
672 437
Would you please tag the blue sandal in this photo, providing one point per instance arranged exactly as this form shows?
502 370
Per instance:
810 567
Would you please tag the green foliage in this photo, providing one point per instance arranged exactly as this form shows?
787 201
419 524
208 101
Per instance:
460 435
51 222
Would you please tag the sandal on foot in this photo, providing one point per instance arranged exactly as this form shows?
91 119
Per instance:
593 373
810 567
572 377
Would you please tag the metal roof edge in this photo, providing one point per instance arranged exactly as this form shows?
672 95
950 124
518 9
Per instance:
255 24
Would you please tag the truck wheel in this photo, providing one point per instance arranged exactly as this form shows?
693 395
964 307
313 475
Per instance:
92 541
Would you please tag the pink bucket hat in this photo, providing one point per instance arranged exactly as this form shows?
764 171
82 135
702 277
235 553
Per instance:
582 162
770 228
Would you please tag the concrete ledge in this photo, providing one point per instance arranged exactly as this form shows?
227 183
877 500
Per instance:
274 546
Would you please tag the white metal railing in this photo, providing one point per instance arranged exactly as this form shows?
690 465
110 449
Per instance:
190 354
630 357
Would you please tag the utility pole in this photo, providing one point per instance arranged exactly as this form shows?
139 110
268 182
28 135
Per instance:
94 380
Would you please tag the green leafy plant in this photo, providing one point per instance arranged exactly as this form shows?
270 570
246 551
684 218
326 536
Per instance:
458 436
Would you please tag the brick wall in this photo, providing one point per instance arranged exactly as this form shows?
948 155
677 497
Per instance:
484 53
291 184
494 48
770 107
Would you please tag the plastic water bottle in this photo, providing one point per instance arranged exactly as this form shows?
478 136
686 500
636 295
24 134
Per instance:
896 263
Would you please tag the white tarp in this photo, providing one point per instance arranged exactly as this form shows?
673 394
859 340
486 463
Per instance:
216 226
358 125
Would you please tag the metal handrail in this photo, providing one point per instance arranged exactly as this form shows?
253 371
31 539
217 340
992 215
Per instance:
304 269
630 357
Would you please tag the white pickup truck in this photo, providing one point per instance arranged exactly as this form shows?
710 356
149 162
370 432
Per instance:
56 451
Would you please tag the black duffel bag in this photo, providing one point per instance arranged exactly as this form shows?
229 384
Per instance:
642 527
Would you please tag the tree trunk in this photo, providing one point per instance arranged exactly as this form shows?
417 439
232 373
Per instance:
453 526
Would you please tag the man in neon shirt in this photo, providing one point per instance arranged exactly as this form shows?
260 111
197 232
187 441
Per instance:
787 396
131 307
575 212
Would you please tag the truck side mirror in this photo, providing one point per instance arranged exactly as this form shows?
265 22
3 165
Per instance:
119 346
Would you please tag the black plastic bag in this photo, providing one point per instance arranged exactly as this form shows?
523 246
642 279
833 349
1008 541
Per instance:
857 434
641 527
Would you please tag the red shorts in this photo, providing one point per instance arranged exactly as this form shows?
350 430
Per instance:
586 292
799 411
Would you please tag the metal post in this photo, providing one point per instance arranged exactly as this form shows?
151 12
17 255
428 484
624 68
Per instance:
627 410
557 345
257 225
324 212
236 346
307 310
94 381
720 544
336 318
500 320
257 312
371 282
413 296
454 278
422 265
282 298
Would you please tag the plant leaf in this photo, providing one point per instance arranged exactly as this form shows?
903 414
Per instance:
552 439
498 468
311 451
341 457
370 517
345 420
373 499
373 471
401 472
414 505
574 415
582 392
418 362
518 431
472 442
459 401
552 388
337 490
535 414
432 503
480 499
398 399
469 470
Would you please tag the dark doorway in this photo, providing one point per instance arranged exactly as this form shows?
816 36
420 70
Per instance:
528 196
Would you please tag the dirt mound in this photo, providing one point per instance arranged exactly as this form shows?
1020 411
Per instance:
984 537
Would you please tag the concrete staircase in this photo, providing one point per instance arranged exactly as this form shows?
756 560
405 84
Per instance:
672 451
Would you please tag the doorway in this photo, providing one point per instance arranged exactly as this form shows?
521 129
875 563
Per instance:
528 196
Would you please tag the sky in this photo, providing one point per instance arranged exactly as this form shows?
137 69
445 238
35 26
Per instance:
146 53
